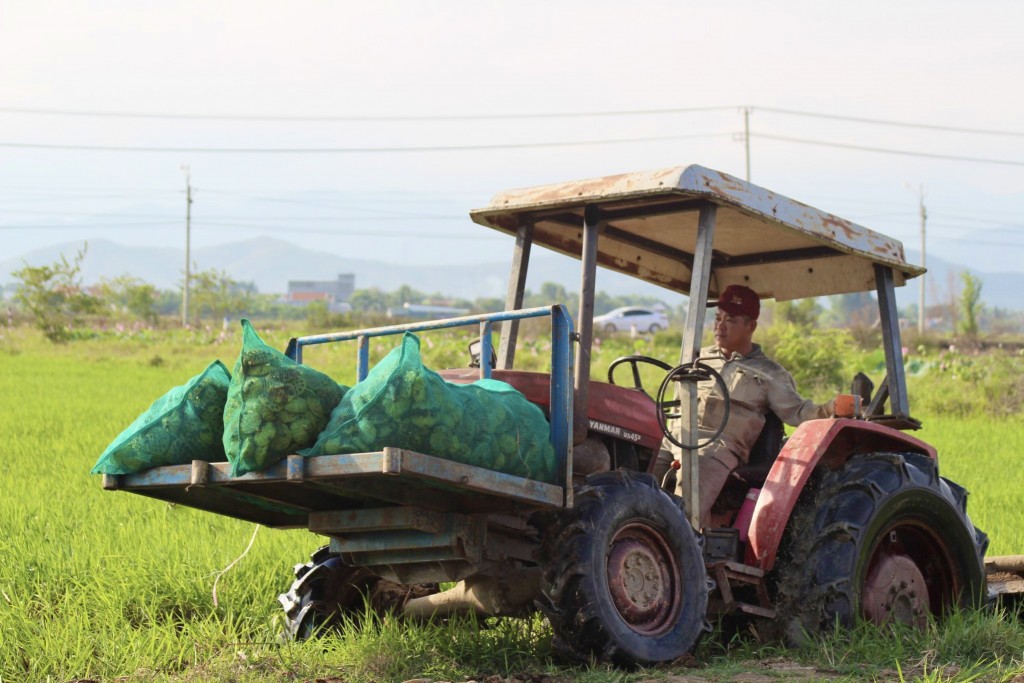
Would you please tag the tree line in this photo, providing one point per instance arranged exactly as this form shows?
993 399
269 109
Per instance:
55 299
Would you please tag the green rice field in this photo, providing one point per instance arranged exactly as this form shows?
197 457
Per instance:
98 585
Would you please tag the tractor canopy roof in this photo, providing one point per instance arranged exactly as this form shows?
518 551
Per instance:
779 247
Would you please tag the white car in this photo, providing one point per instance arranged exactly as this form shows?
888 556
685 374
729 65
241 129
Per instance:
628 317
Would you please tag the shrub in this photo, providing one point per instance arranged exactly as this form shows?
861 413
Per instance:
54 297
960 384
817 358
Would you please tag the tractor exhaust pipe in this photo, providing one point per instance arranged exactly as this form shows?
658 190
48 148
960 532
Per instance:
510 594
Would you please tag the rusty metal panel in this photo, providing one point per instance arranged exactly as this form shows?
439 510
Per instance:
469 477
451 552
456 542
285 494
1005 563
380 519
1005 576
328 467
580 192
652 225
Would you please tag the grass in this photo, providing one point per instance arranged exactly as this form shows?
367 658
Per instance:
112 586
984 455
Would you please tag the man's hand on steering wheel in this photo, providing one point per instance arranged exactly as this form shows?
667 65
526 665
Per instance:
694 373
668 408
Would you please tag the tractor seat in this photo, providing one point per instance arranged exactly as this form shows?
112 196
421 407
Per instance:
762 453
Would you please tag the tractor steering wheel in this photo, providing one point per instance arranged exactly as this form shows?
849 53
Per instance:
633 362
689 372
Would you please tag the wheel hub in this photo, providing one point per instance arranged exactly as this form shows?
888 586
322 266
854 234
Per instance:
642 580
895 590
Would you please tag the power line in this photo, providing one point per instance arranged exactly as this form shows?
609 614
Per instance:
887 122
1015 245
1012 218
933 239
405 118
222 226
495 146
33 192
340 232
85 226
856 204
64 198
887 150
961 224
217 220
357 150
391 194
965 220
365 119
390 216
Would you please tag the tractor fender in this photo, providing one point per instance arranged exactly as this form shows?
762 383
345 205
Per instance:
816 443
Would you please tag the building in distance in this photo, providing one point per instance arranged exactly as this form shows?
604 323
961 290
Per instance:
335 293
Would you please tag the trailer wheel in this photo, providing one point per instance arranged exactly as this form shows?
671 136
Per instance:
326 589
623 576
885 538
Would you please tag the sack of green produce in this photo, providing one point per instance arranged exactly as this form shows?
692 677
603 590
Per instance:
275 406
405 405
185 424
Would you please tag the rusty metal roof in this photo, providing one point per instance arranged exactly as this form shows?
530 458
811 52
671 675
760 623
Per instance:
780 247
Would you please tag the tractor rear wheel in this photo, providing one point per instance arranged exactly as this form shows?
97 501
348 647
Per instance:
623 576
884 539
326 590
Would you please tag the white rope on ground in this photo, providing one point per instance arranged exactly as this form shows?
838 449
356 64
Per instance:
235 561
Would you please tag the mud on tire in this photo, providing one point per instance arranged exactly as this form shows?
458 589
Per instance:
623 577
884 537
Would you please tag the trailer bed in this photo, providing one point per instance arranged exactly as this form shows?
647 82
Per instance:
286 494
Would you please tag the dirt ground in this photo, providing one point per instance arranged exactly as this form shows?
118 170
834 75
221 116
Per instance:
765 671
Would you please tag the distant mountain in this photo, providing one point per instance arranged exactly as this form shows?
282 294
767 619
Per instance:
998 289
270 263
267 262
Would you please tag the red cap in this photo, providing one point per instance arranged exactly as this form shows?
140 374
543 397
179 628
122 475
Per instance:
740 300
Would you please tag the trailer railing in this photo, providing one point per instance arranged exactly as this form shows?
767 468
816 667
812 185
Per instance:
562 361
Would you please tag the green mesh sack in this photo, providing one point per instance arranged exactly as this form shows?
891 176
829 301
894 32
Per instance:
405 405
185 424
275 406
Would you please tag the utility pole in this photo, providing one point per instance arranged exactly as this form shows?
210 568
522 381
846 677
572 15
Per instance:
920 303
188 246
746 137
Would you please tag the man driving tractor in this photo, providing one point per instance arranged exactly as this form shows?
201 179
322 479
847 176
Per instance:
756 386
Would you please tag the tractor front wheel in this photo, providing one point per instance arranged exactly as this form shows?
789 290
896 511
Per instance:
885 539
623 576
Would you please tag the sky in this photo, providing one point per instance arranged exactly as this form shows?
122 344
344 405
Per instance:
306 120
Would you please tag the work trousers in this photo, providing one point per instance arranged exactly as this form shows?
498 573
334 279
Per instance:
714 467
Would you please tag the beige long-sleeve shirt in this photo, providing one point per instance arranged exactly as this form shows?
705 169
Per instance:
756 385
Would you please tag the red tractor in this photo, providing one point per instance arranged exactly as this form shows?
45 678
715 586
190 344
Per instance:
850 517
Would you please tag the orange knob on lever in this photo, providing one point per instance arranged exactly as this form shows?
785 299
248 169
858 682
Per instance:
847 405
